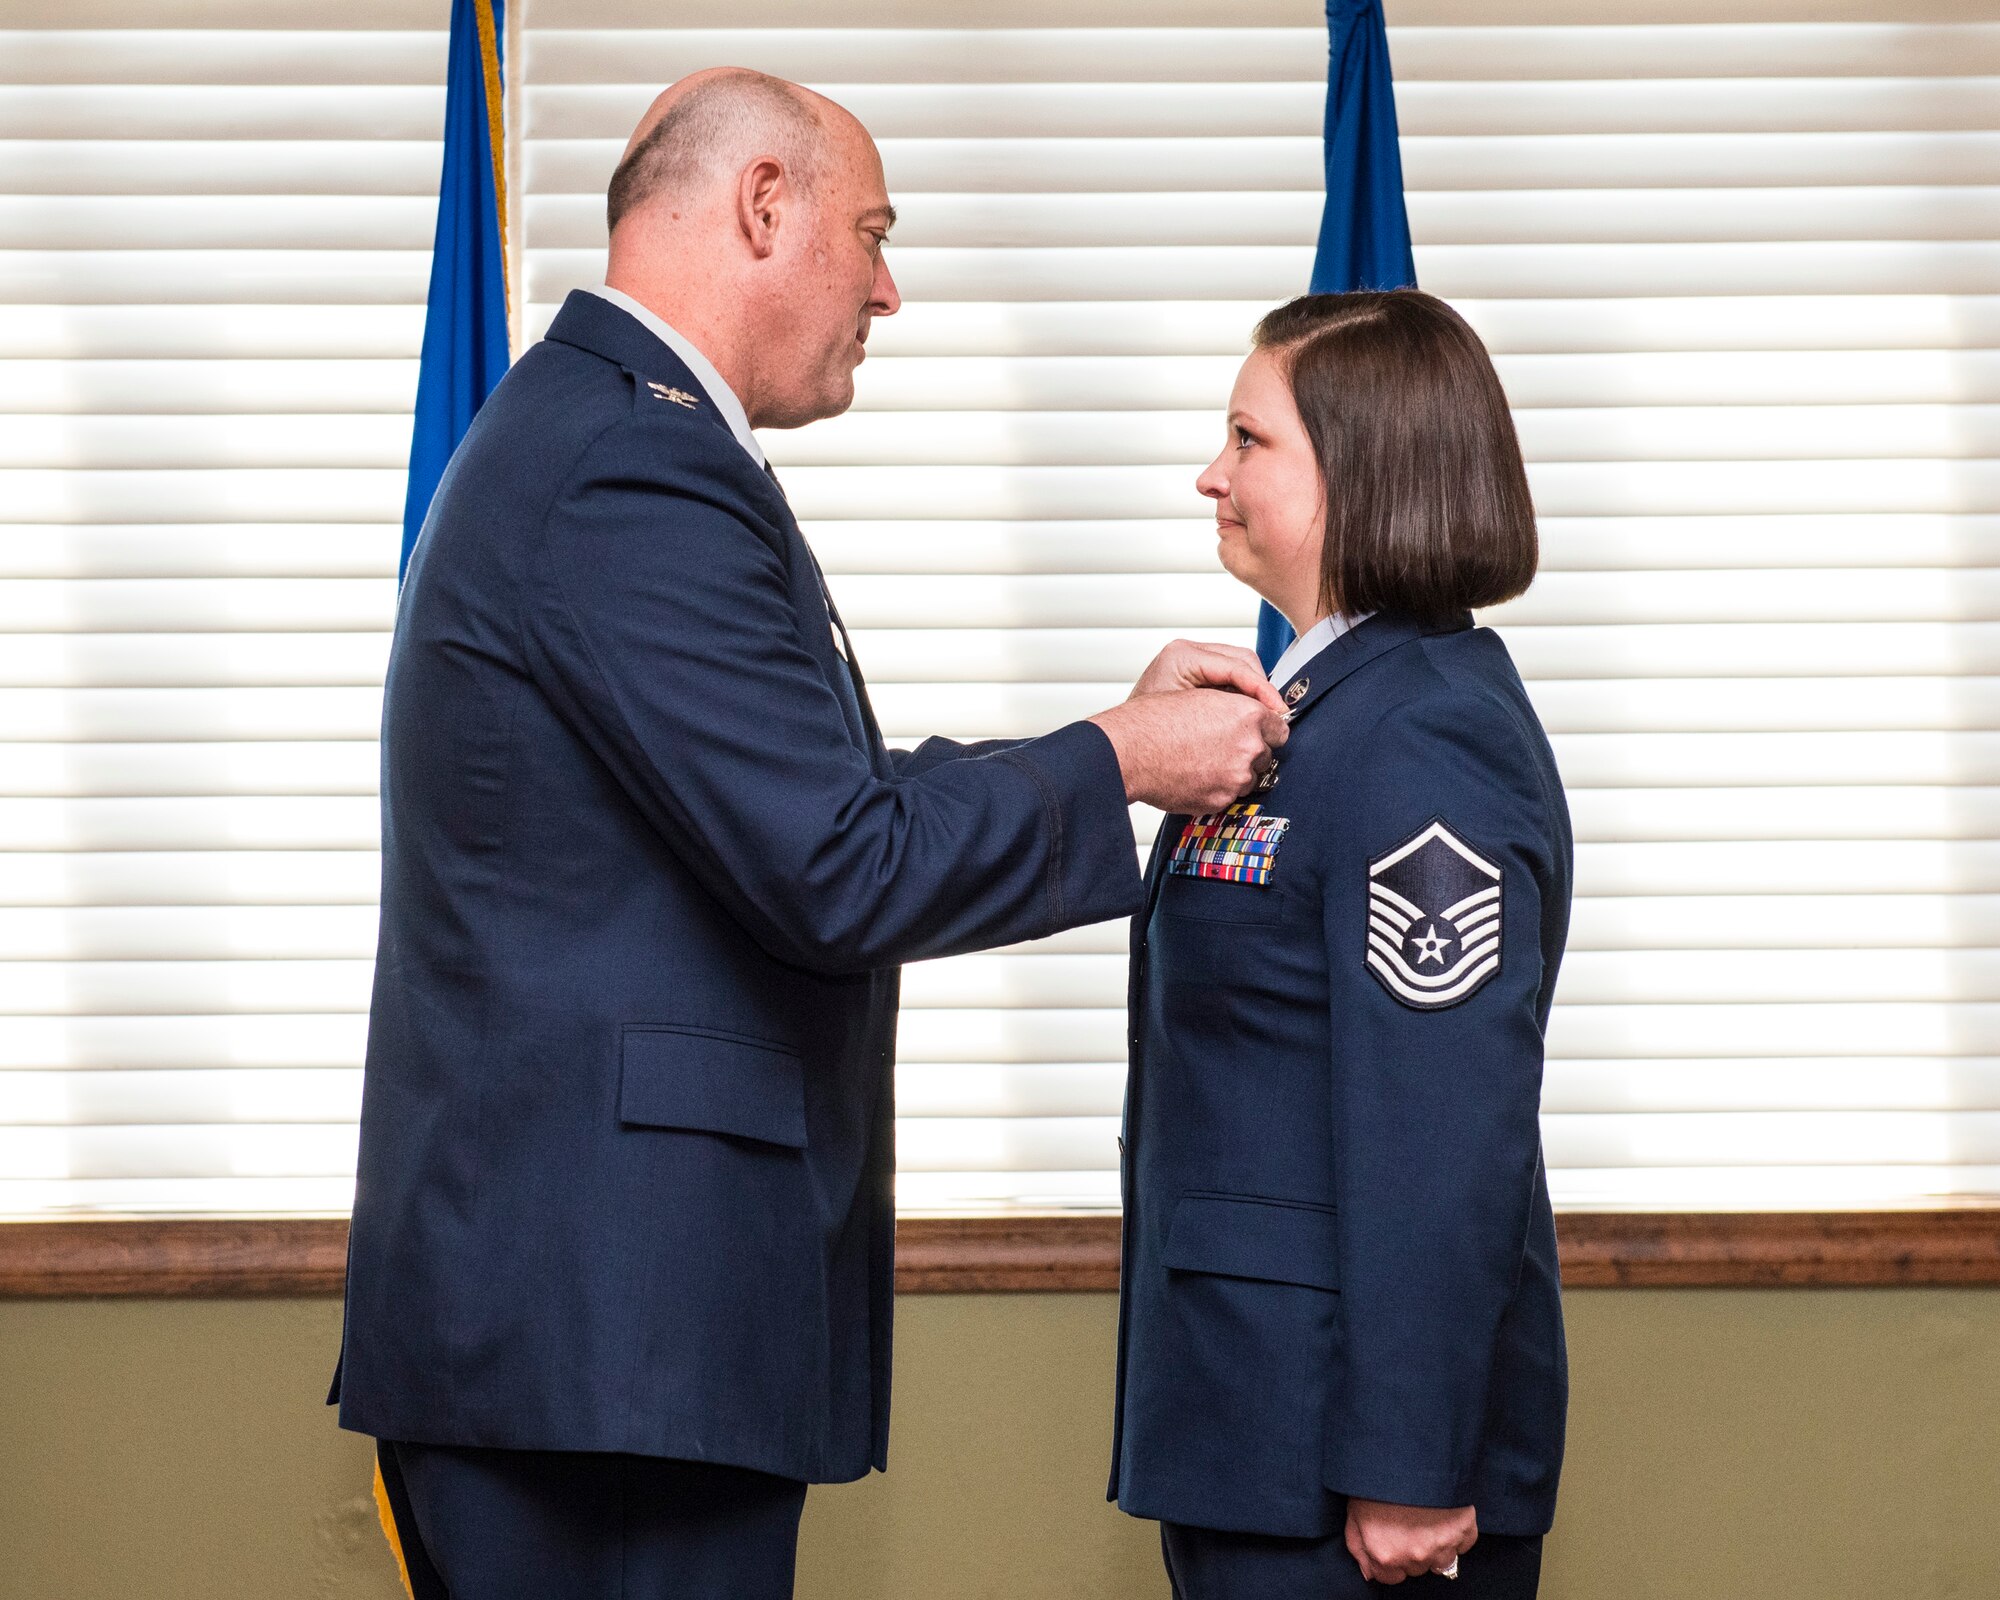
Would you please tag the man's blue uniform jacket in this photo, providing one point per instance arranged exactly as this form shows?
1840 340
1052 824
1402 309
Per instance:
1340 1261
648 871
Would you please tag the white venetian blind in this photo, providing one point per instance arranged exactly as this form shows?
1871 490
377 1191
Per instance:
1740 275
215 225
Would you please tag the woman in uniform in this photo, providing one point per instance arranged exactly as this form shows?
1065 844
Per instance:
1341 1353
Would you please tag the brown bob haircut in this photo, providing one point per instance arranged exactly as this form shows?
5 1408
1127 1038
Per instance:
1427 505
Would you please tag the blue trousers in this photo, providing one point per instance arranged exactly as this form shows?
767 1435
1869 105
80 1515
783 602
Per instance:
552 1525
1207 1564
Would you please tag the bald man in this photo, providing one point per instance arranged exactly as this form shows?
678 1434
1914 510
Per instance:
621 1267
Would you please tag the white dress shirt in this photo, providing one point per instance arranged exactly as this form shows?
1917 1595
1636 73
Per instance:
1311 642
697 363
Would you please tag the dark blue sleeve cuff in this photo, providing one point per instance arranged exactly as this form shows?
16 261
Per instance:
1095 863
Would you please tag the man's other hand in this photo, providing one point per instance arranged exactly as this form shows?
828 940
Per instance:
1390 1542
1192 750
1191 664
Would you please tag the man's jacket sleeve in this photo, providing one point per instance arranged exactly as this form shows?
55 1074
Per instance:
1435 1104
934 752
661 621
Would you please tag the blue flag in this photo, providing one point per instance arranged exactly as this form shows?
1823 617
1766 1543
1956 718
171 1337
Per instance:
465 322
1364 233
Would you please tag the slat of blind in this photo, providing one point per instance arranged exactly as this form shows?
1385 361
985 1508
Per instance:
93 715
1905 1083
193 933
1712 760
215 385
1188 216
217 111
1526 51
1644 1031
1668 161
1111 272
1017 710
1243 149
1588 760
204 333
1656 650
1590 977
184 604
1037 382
208 167
1901 1083
325 875
1698 324
163 1098
183 1042
296 59
1695 488
1576 544
142 442
268 1150
597 119
169 988
156 660
1181 439
213 277
176 1196
269 767
176 823
1679 705
108 550
1648 378
1769 1188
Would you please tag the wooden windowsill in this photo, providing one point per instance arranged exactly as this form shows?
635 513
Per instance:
176 1257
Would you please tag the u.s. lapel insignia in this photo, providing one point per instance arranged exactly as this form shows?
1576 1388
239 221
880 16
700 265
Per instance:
1298 691
680 397
1239 845
1433 919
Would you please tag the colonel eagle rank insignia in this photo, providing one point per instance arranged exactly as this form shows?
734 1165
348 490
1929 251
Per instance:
1433 919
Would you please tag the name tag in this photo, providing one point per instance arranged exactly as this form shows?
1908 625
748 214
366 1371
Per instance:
1239 845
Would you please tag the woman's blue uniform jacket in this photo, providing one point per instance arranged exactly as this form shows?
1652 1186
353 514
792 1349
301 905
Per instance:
1340 1261
648 871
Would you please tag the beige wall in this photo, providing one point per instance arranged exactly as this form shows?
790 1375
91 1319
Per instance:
1810 1444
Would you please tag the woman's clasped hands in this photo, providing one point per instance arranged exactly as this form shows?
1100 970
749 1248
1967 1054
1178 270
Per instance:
1391 1542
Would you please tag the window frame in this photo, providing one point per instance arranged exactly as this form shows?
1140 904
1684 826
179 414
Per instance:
245 1257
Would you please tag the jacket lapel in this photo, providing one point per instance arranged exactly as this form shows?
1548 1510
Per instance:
1311 684
1352 651
596 326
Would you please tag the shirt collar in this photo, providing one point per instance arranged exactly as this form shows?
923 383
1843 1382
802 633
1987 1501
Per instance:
697 363
1311 642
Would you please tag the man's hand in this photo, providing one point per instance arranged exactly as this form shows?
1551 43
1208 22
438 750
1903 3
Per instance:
1192 750
1390 1542
1189 664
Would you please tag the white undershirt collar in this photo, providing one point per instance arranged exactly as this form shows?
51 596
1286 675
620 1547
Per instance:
697 363
1311 642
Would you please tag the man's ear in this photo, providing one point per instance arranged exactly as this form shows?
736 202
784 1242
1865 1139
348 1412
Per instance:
761 196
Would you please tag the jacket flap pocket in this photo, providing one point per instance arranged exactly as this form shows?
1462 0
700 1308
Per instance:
713 1082
1276 1240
